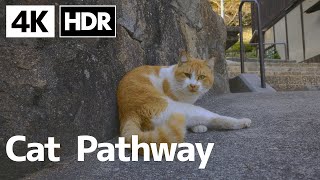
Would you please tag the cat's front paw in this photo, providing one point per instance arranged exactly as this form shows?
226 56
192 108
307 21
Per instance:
245 122
199 129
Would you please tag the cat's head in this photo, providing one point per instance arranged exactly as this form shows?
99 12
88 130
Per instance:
194 76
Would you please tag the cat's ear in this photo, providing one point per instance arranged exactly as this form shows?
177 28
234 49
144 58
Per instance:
183 57
210 62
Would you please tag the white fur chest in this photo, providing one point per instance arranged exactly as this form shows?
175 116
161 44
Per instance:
164 73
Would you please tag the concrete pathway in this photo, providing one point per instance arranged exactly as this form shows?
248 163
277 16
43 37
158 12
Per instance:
283 143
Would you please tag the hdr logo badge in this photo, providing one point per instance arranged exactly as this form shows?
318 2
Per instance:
87 21
29 21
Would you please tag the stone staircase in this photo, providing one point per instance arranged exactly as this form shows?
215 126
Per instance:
283 76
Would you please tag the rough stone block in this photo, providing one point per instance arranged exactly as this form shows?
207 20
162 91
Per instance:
67 87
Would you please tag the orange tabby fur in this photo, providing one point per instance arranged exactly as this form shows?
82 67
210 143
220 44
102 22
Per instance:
139 101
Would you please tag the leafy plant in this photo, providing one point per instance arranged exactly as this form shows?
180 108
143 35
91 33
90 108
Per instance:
231 11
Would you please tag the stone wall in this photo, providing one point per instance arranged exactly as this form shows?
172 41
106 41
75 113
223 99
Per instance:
283 76
67 87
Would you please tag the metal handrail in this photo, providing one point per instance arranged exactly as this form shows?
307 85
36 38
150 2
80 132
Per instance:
286 51
260 39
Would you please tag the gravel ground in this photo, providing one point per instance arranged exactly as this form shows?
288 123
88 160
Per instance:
282 143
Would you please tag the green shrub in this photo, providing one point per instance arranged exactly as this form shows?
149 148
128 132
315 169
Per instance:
236 47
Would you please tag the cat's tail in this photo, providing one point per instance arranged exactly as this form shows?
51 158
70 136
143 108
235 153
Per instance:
172 131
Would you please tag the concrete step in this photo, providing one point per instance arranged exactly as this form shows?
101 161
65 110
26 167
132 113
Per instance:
248 83
283 76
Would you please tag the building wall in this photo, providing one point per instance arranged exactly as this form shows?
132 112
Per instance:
295 39
269 37
311 29
280 36
301 32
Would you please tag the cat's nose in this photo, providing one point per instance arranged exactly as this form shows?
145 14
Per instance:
193 87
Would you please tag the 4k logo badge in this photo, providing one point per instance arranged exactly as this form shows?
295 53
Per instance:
30 21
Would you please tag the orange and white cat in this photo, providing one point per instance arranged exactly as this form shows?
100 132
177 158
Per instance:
156 102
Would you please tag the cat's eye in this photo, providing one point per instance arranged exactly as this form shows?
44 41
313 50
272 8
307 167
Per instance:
201 77
188 75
